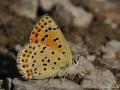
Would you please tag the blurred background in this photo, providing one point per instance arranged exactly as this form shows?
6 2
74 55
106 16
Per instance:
91 27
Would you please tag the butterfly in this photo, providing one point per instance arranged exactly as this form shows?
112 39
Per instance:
47 52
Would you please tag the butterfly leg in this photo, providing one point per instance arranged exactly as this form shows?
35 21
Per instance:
62 80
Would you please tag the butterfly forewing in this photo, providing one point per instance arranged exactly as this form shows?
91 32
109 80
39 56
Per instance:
47 32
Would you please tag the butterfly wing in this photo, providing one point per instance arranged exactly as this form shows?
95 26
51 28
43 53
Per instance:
47 32
38 61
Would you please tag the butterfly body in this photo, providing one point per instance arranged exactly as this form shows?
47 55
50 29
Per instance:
47 53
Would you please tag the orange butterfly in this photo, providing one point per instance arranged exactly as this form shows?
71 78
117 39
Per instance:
48 52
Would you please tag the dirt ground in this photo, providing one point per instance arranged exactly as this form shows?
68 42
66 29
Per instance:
15 31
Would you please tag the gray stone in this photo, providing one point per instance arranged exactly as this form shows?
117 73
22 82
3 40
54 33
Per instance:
25 8
113 45
99 79
52 84
73 15
103 9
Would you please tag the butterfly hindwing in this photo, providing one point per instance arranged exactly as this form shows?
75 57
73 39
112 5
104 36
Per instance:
38 61
47 32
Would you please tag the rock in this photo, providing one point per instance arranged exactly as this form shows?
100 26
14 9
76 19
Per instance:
18 47
113 25
8 66
52 84
90 58
111 56
110 60
25 8
73 15
99 79
1 84
78 49
8 84
82 67
113 45
13 27
47 5
106 9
